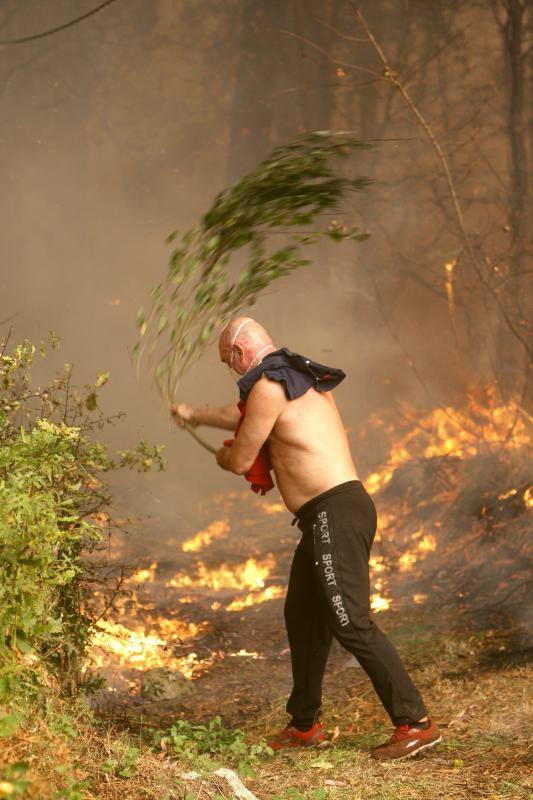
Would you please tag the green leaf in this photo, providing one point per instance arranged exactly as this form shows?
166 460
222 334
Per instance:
101 379
23 645
91 402
162 322
221 266
9 725
321 763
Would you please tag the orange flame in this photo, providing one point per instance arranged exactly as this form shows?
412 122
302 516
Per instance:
254 598
379 603
144 575
216 530
449 268
138 648
249 575
448 431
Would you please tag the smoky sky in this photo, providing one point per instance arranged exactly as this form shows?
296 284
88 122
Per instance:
123 127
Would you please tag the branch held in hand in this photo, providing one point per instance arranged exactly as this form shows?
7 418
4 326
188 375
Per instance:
286 193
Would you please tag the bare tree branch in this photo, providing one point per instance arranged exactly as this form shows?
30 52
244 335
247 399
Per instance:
392 76
58 28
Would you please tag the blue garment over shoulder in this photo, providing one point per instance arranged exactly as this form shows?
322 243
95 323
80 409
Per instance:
297 374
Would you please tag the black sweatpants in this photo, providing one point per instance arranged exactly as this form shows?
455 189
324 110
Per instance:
329 596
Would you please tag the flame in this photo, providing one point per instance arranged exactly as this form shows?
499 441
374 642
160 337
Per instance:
427 544
377 563
216 530
508 494
143 635
144 575
242 653
409 558
406 561
179 629
451 432
379 603
449 268
138 638
249 575
254 598
139 648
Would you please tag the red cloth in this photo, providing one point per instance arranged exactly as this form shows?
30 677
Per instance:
259 473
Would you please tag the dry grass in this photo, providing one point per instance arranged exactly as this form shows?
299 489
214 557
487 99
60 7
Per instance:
72 763
485 713
484 721
483 706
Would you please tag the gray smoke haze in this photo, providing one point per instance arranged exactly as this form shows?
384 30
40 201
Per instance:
122 128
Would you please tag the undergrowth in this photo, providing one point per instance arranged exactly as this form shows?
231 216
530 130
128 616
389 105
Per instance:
53 512
228 745
53 502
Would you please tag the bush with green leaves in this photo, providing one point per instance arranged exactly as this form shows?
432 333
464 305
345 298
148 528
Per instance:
221 266
191 742
51 492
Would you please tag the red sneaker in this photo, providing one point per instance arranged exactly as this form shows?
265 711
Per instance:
292 737
407 741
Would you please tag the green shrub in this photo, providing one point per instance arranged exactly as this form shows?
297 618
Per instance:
51 499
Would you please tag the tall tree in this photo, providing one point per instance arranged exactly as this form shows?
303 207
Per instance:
515 22
281 87
260 60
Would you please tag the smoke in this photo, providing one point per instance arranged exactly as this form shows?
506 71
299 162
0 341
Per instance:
123 128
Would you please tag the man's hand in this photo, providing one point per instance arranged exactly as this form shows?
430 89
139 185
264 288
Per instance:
223 457
183 413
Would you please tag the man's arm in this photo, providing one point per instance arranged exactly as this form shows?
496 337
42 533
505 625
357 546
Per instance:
225 417
265 403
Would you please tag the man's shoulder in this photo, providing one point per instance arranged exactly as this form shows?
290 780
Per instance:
266 390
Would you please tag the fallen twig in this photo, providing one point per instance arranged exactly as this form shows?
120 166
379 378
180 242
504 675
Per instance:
237 786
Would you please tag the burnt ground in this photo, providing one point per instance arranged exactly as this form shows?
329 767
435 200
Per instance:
459 615
241 661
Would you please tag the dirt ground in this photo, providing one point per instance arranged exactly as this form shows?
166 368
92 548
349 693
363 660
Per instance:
475 680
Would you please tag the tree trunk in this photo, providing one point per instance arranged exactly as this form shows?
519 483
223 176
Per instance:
514 33
259 62
282 86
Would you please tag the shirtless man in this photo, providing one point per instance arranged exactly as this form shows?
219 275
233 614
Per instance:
290 407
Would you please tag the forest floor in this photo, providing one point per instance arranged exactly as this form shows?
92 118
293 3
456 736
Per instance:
474 674
478 688
479 693
473 671
482 704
